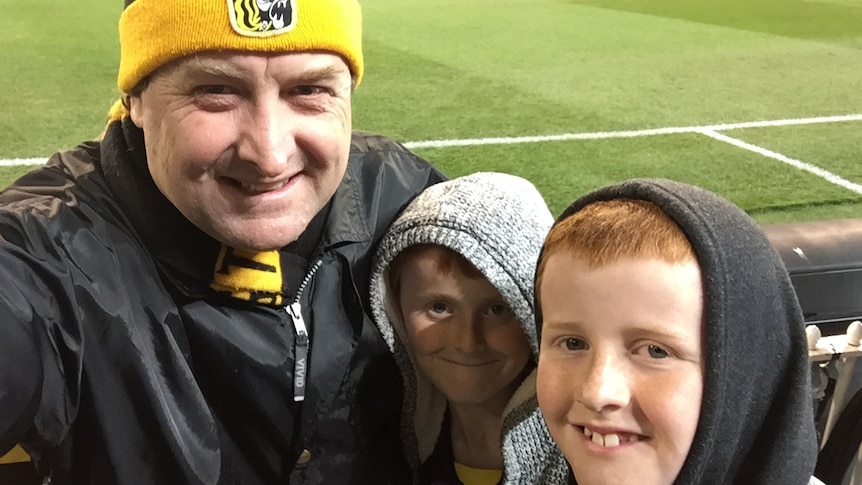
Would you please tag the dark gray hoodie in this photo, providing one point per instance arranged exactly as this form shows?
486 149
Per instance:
756 421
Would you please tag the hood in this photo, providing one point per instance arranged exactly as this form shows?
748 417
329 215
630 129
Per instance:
497 222
756 421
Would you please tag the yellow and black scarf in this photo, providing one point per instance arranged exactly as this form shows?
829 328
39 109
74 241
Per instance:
267 277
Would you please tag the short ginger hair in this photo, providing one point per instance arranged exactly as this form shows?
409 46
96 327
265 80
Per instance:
604 232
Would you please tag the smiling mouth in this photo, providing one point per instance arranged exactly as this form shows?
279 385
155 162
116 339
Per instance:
254 189
610 440
470 364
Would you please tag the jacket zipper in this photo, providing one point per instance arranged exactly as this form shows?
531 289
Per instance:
302 342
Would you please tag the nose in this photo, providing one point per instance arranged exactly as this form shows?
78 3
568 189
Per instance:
607 384
470 335
267 140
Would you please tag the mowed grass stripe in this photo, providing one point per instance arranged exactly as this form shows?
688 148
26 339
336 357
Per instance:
522 69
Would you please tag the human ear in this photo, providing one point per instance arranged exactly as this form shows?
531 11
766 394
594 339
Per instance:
133 104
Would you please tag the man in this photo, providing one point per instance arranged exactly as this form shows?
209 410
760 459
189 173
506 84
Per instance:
185 301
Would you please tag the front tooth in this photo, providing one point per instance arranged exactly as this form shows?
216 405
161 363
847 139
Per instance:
612 440
597 439
262 188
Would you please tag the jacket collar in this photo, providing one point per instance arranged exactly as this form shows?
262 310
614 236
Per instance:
347 220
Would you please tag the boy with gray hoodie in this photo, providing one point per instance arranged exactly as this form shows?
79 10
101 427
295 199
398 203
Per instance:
452 294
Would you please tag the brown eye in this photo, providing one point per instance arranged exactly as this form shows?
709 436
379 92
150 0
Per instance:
498 309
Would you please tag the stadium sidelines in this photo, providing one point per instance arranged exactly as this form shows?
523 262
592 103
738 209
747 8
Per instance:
711 131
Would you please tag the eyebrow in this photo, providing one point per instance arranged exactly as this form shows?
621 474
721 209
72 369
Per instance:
322 73
672 337
431 295
196 67
226 70
565 326
328 73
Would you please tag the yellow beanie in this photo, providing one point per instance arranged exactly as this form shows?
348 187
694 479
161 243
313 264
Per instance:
156 32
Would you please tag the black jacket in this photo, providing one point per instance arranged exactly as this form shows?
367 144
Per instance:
118 364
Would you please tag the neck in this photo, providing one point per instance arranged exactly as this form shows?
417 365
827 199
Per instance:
476 433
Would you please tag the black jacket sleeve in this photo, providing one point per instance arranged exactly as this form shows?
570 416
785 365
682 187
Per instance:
40 344
20 363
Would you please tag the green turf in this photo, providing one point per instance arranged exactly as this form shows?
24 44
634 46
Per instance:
838 21
483 68
563 67
757 184
59 70
835 147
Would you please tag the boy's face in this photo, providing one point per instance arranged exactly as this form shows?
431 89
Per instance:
462 334
620 376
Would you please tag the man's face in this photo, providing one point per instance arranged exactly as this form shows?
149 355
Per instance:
462 334
248 146
620 376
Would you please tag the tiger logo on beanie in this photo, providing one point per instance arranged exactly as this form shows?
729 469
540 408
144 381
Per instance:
262 18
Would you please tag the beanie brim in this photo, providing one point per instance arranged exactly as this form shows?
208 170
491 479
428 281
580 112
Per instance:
156 32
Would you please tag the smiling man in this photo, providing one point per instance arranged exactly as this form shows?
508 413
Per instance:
184 300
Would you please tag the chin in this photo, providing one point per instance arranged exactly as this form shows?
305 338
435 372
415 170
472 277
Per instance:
617 477
253 242
259 236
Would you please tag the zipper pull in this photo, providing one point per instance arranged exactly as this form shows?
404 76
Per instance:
300 366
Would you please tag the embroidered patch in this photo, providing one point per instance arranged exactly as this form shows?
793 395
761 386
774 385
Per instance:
262 18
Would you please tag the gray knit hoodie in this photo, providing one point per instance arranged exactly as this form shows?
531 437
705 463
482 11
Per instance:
497 222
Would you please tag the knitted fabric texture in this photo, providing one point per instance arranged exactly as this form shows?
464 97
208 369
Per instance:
497 222
156 32
249 276
756 420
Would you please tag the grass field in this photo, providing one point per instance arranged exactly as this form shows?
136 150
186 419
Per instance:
464 73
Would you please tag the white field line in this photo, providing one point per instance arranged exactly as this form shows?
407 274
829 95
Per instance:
22 161
578 136
807 167
629 134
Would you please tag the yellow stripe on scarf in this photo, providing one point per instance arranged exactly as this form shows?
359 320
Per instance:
15 455
249 276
